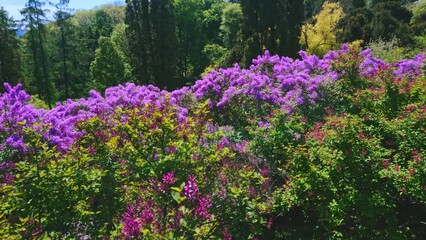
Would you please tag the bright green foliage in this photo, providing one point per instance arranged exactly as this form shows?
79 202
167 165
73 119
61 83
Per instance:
212 18
51 192
231 25
418 22
217 56
121 45
108 68
122 162
101 24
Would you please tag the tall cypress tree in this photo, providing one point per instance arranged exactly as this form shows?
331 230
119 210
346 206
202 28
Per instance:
9 57
164 43
34 18
295 17
62 20
272 25
152 39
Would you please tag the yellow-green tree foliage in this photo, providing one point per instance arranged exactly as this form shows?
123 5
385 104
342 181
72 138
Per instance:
319 36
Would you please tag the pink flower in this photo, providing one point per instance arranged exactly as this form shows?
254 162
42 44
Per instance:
224 142
204 203
364 152
264 172
171 149
190 190
226 235
8 178
269 223
386 164
169 178
131 225
396 168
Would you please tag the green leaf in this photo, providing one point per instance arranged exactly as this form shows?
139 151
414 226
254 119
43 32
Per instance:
176 189
177 197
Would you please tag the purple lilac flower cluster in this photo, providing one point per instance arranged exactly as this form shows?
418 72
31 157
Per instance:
290 83
15 116
58 125
190 190
276 80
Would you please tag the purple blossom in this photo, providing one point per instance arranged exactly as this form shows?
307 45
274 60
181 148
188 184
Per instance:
190 190
201 211
8 178
410 68
16 143
224 142
169 178
131 225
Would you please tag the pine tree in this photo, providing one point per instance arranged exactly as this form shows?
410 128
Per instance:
34 17
9 57
191 39
272 25
391 19
62 20
152 40
356 25
164 44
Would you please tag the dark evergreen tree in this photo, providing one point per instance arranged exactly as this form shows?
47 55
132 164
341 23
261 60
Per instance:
152 40
312 7
164 44
359 4
138 32
295 16
373 3
391 19
34 20
191 40
356 25
272 25
62 20
9 57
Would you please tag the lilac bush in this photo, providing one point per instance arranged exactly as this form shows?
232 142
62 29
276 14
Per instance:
224 158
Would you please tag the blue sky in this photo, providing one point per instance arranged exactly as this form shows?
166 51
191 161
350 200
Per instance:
13 6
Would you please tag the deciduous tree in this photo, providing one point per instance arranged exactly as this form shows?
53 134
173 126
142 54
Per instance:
319 36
